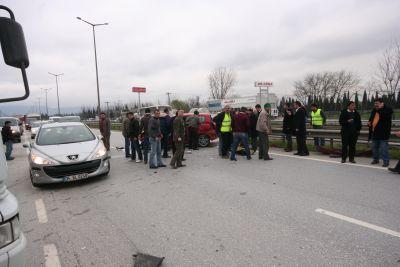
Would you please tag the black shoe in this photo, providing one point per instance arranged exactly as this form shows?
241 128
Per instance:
182 165
304 154
232 159
343 161
248 158
195 149
10 158
394 170
162 166
269 158
385 165
352 161
183 159
375 161
153 167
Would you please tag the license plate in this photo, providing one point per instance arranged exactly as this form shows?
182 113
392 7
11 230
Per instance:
76 177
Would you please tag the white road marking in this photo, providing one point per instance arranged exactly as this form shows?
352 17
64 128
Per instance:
51 256
327 161
358 222
41 211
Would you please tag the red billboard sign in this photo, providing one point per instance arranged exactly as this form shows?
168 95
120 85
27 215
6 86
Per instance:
139 89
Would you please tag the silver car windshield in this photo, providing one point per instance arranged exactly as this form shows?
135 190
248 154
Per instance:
64 135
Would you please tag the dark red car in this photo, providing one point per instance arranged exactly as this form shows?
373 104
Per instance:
207 131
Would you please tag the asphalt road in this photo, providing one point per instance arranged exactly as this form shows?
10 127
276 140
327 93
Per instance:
214 212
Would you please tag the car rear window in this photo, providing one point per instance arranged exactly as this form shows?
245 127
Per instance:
64 135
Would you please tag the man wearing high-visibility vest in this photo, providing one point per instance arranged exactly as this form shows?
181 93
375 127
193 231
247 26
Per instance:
318 120
224 121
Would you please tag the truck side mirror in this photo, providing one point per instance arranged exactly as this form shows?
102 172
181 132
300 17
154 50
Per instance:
14 49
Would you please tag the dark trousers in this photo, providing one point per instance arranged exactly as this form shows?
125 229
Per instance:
178 155
289 142
318 141
164 144
106 142
254 141
193 138
349 141
264 145
127 146
301 144
135 148
226 139
146 148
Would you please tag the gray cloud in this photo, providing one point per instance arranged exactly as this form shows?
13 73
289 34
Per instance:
173 45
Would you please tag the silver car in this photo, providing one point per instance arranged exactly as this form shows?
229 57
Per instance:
64 152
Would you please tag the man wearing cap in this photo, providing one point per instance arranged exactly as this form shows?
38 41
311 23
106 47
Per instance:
6 134
263 129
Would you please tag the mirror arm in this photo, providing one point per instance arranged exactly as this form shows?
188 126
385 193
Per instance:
9 11
26 85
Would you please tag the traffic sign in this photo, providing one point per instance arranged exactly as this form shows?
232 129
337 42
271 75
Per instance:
139 89
263 84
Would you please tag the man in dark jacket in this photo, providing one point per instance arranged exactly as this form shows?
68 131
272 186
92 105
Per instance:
193 123
179 140
6 134
299 126
165 126
125 130
350 120
380 125
252 130
105 129
240 129
144 131
155 136
287 127
133 134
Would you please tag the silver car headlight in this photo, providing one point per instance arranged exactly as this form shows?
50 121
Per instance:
101 152
41 159
9 231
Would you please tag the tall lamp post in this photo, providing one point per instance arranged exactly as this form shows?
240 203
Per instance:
47 107
58 98
95 57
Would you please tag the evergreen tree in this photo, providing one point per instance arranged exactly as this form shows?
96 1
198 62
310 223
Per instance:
364 104
356 101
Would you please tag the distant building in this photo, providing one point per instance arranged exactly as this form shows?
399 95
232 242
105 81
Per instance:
215 105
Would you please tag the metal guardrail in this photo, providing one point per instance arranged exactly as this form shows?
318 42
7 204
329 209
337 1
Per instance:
333 135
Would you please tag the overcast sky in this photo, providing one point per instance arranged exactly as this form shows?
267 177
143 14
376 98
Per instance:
171 45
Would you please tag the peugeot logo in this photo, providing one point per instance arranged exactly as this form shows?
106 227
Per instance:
73 157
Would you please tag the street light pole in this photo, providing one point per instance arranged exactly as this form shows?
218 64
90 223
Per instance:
47 107
58 97
40 109
95 58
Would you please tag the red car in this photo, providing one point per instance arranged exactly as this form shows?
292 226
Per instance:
207 131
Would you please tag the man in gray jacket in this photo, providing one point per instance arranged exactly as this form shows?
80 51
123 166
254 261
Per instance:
155 136
264 128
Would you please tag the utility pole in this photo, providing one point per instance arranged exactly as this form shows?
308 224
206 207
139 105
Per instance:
40 109
95 58
108 111
47 107
58 98
169 99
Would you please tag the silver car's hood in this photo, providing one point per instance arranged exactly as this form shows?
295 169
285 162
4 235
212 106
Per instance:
61 152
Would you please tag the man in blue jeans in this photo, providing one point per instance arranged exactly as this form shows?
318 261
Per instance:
240 128
155 136
380 125
6 134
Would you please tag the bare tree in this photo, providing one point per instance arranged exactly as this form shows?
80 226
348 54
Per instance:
221 81
326 85
389 69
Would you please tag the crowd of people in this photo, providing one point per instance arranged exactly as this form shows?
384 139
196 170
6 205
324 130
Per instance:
245 131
